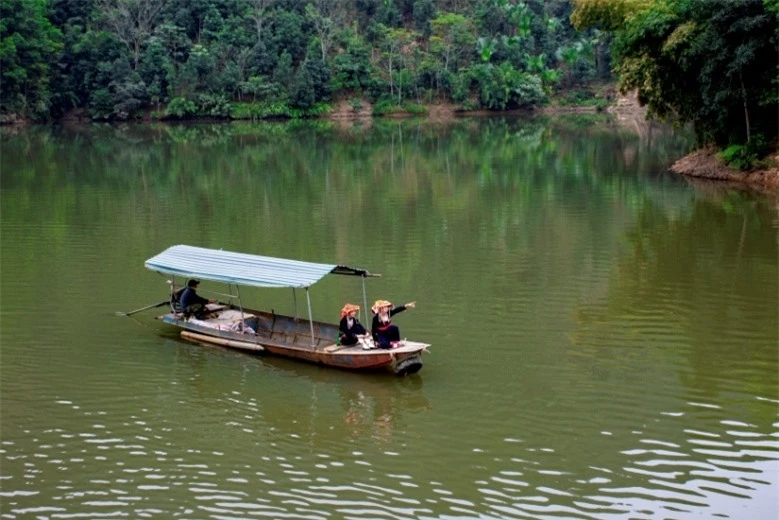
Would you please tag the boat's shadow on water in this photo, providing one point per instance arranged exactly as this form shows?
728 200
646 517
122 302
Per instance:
371 403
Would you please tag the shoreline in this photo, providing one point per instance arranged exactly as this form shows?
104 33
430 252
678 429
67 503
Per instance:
704 163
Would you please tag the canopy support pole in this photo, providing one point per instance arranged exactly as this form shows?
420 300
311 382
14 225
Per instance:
295 299
310 316
364 300
172 292
240 303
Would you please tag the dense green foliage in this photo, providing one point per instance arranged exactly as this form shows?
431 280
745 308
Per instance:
118 59
29 48
714 63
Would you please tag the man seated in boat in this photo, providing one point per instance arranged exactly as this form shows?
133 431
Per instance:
350 330
385 334
192 304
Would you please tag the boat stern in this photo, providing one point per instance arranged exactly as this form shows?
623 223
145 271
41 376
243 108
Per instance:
409 365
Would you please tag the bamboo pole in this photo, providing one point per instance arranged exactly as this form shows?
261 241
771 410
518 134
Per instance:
152 306
194 336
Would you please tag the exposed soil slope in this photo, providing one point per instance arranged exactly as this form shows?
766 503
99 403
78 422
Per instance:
705 163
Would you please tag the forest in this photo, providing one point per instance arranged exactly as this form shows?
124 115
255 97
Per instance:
713 64
710 63
245 59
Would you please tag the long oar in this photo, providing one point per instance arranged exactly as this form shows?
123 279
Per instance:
155 305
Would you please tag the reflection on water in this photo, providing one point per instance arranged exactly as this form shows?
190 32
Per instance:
370 406
603 334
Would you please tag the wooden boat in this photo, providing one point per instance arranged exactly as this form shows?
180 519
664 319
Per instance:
231 325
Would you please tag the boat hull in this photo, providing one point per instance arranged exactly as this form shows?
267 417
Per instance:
280 335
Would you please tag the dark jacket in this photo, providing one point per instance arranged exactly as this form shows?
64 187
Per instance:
347 335
189 297
377 327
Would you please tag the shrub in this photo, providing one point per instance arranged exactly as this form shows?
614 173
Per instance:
384 106
461 89
736 156
263 110
181 108
317 109
101 105
213 105
356 104
413 108
745 156
503 87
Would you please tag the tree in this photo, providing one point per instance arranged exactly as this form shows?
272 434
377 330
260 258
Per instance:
154 68
504 87
302 94
284 74
259 12
521 18
132 21
199 73
352 66
115 57
576 60
396 45
609 15
118 91
713 63
452 37
175 41
258 87
29 48
288 35
325 16
424 12
321 77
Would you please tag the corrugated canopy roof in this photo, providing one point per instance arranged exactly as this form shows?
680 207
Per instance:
243 269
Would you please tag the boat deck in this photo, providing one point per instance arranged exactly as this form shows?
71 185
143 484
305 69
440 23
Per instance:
259 327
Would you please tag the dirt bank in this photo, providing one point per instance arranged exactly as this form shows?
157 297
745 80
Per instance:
705 164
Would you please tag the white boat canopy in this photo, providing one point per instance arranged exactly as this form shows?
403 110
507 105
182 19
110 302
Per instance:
243 269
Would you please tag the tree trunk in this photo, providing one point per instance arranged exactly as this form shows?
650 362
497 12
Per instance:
746 109
392 90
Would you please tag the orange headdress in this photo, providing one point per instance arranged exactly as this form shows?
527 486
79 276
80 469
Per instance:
349 308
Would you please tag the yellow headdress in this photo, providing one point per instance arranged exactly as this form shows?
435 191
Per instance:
380 304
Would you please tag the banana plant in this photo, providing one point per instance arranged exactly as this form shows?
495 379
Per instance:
519 15
535 63
486 48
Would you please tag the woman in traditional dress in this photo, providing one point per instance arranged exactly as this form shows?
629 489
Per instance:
385 334
350 329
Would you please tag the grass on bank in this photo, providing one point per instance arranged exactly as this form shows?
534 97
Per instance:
206 106
744 157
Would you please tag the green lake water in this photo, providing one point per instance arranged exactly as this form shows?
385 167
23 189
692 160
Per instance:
605 335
